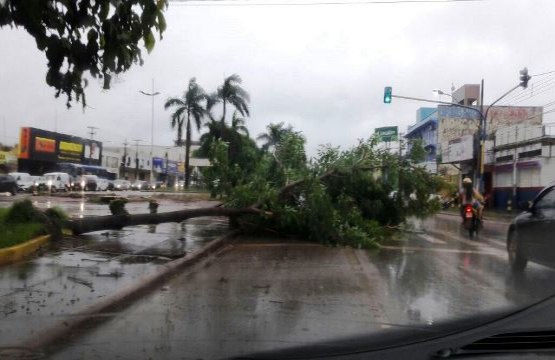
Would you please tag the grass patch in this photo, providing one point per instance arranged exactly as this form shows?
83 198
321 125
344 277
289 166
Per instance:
13 233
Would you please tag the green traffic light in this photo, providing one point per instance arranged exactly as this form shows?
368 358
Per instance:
387 95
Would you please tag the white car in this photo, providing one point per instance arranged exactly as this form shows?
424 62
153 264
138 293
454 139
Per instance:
24 180
122 184
56 181
102 184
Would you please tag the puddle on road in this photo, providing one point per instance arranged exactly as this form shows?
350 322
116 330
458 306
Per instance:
78 271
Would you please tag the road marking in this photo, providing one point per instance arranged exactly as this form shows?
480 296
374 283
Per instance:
276 245
480 243
444 250
431 239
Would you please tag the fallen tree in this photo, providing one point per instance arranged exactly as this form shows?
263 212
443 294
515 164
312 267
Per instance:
355 197
116 222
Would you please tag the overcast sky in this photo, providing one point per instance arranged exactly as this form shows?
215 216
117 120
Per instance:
320 68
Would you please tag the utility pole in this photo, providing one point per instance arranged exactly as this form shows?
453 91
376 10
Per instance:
481 142
137 158
124 159
152 95
91 133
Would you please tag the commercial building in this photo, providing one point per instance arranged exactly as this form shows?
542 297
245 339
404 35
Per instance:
523 162
134 162
425 130
8 161
40 150
451 134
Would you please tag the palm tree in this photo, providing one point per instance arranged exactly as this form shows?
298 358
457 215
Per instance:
231 92
191 105
211 101
238 124
274 135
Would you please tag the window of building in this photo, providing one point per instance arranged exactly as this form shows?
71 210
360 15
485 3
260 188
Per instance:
529 154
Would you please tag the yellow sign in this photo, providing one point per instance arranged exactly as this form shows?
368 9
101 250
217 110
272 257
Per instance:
7 157
71 147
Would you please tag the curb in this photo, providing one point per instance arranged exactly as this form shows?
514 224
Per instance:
18 252
50 336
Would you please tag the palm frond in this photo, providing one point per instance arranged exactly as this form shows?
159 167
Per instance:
174 102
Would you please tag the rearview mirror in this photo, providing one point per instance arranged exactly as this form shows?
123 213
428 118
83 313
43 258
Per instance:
525 205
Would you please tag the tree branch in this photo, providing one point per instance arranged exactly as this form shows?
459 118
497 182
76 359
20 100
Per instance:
96 223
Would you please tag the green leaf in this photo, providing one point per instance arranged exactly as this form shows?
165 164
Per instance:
161 23
149 41
104 9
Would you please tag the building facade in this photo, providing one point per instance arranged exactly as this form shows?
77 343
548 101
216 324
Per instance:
450 135
135 162
425 130
523 162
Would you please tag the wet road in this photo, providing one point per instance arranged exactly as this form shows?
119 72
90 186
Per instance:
266 294
78 271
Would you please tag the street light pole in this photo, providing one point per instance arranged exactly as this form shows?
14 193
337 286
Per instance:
152 95
137 158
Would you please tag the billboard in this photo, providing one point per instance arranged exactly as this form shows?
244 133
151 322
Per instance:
158 164
172 167
43 145
387 133
458 150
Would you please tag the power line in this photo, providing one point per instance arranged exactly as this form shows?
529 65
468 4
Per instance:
531 91
232 3
544 73
533 87
537 93
541 114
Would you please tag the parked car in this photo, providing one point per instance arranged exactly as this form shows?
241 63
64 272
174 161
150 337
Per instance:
530 233
103 184
85 183
8 184
139 185
56 181
24 180
122 184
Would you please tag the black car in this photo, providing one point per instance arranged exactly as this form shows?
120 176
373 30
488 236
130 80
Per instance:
8 184
530 233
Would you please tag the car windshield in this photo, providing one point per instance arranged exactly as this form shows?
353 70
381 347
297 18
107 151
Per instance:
215 178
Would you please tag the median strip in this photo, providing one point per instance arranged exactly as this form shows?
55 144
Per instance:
67 328
18 252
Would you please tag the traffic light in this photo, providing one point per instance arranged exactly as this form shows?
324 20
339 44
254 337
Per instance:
524 77
387 95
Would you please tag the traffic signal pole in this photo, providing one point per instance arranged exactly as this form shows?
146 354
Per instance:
482 126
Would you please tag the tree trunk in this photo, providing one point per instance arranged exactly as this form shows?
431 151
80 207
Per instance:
179 141
187 151
115 222
223 114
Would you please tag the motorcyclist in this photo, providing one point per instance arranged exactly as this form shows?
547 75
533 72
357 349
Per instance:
469 195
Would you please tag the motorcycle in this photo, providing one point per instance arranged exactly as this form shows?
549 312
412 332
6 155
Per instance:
470 220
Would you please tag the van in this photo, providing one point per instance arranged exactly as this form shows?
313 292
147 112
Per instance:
57 181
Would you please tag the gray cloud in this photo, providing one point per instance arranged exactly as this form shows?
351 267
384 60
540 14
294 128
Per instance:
322 69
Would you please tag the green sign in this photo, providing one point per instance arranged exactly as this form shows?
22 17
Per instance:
387 133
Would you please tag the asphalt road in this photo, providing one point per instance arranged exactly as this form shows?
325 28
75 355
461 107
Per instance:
262 294
77 272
